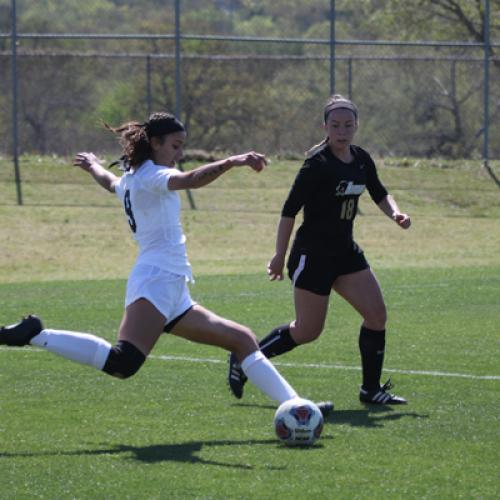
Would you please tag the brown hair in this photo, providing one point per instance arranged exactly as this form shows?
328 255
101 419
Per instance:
135 137
338 101
335 101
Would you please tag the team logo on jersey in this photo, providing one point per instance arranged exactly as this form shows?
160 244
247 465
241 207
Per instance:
346 188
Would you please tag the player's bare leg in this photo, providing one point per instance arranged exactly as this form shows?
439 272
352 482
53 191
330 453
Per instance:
362 291
141 326
203 326
311 312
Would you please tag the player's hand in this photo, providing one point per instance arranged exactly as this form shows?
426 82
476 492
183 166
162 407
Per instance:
402 220
85 160
255 161
275 268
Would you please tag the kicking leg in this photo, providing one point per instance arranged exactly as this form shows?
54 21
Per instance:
140 329
141 326
80 347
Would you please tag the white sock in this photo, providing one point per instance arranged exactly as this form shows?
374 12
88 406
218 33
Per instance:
80 347
264 375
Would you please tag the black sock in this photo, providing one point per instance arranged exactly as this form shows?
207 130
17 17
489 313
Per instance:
277 342
371 347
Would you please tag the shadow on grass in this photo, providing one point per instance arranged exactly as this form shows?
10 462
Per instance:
182 452
374 416
370 417
367 416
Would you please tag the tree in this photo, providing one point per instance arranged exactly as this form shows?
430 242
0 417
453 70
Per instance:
438 19
450 105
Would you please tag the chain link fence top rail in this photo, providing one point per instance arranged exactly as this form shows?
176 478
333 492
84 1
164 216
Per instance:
235 91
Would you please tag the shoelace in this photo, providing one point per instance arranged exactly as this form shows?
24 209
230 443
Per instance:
387 386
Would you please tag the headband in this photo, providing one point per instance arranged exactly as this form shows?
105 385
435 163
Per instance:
161 127
341 104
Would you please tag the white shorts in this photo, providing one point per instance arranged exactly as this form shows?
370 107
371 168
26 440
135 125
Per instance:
167 291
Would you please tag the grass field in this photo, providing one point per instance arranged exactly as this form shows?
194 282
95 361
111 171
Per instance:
173 430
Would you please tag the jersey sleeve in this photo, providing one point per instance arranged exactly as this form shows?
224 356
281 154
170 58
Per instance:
375 187
156 179
119 188
299 191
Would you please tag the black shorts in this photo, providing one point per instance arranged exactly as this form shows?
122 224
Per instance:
317 273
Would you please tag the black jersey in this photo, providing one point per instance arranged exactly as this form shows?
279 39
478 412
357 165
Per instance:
328 190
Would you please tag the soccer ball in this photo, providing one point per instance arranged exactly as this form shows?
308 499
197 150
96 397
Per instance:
298 422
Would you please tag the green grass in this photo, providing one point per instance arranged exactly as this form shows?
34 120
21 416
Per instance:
71 229
173 430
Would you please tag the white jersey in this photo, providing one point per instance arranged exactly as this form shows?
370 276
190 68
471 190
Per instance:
153 213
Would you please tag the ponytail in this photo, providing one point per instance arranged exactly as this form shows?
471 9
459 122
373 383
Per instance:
316 148
135 137
134 142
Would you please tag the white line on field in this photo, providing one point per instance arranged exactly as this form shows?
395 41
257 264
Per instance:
323 366
335 367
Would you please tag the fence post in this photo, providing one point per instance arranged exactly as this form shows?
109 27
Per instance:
15 146
148 85
178 87
332 47
178 83
349 78
486 93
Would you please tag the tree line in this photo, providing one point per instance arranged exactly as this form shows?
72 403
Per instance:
418 101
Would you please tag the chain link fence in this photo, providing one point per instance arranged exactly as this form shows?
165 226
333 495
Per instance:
237 92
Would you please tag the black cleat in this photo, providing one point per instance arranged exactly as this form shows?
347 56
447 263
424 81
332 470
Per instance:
325 407
236 378
21 333
380 396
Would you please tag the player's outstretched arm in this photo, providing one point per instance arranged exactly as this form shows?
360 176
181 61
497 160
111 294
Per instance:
90 163
206 174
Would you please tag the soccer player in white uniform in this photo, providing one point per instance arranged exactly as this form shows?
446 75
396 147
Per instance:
157 297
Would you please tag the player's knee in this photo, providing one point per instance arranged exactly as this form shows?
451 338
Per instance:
303 334
245 342
307 337
377 318
124 360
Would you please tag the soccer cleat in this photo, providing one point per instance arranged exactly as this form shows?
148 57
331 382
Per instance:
236 378
381 396
21 333
325 407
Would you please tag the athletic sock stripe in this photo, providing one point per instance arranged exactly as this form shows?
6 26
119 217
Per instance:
271 342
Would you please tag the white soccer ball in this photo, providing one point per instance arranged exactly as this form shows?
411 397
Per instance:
298 422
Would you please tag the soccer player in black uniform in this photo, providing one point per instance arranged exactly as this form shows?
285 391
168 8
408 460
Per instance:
324 255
